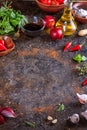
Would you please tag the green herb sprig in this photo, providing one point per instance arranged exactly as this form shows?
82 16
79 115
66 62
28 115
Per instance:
82 69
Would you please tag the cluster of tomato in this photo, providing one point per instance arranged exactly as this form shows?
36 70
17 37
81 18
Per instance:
55 32
5 43
52 2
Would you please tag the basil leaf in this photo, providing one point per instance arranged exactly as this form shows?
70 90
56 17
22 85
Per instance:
61 107
78 58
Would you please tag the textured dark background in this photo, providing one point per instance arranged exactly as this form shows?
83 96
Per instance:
38 75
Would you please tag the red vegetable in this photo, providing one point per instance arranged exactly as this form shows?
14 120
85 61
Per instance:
8 112
2 47
56 33
68 44
52 2
49 21
47 2
84 82
1 108
2 120
1 41
55 2
60 1
76 47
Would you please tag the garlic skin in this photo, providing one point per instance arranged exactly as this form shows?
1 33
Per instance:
74 118
82 98
84 114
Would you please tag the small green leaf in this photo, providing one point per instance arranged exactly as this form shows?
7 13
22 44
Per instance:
61 107
78 58
32 124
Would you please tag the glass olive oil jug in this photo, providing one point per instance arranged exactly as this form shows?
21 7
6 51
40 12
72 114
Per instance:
67 22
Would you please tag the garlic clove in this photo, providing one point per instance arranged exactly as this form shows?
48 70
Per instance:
49 118
84 114
54 121
82 98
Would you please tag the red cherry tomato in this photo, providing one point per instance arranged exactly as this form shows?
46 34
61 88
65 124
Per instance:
55 2
49 21
60 1
56 33
2 42
2 47
47 2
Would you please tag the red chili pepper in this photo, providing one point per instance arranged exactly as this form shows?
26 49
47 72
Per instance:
2 47
68 44
84 82
76 47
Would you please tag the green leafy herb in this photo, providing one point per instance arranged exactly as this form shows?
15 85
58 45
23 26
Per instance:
61 107
32 124
10 19
78 58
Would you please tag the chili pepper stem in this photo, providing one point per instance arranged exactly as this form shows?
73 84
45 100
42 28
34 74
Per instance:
82 44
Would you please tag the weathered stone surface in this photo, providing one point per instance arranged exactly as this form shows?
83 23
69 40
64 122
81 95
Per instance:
38 75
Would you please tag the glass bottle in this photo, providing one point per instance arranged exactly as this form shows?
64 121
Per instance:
67 22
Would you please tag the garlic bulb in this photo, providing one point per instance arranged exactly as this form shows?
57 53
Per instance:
74 118
82 98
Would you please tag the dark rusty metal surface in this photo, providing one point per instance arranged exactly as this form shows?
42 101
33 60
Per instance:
38 75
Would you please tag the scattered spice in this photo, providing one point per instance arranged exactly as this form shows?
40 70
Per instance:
76 47
68 44
31 124
61 107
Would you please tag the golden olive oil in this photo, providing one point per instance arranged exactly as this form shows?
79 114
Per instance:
67 22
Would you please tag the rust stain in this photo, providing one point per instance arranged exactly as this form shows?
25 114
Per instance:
32 52
44 109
